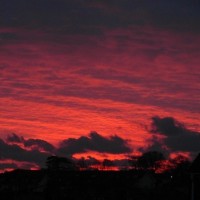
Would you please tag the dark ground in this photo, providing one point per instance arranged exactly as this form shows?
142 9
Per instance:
93 185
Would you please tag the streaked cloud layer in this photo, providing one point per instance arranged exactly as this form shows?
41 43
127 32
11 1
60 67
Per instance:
71 67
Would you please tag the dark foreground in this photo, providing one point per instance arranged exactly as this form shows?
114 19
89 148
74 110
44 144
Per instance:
93 185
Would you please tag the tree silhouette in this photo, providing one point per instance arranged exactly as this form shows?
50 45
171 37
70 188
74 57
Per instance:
107 163
150 160
82 163
133 162
60 163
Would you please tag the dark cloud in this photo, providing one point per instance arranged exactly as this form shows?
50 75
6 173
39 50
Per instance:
84 17
33 143
94 142
61 16
8 166
27 165
167 126
14 138
177 136
19 165
14 148
15 152
8 36
156 145
39 144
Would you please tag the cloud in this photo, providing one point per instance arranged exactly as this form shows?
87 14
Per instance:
156 145
15 152
28 153
8 166
8 36
167 126
40 144
13 164
84 17
176 136
33 143
14 138
94 142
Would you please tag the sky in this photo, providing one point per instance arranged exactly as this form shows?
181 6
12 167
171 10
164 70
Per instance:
98 79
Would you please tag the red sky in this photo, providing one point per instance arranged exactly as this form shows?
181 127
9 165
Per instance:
63 76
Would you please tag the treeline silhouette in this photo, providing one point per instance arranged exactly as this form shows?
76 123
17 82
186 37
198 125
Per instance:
149 161
65 179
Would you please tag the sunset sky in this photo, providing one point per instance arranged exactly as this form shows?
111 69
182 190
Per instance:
100 79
